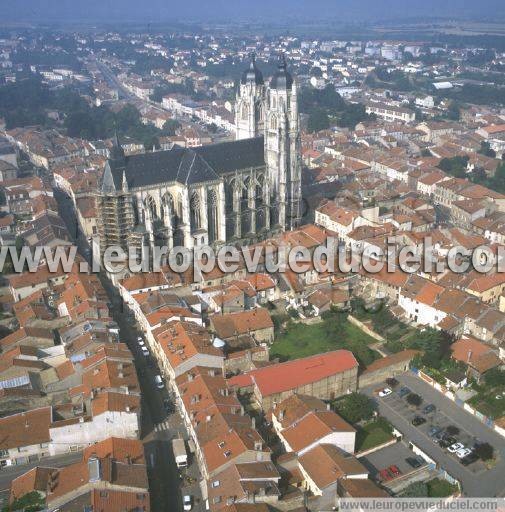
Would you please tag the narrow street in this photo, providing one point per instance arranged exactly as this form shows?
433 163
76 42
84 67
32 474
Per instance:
158 427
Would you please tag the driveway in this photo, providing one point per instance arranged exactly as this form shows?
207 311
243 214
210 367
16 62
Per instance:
476 480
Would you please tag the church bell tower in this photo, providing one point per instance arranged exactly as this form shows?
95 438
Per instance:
282 149
249 107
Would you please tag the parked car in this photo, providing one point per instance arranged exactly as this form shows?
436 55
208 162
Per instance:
385 475
429 408
145 351
385 392
434 431
394 469
414 462
455 447
469 459
404 391
461 454
447 441
187 502
418 420
158 381
141 342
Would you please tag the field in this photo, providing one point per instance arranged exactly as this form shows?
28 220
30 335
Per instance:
333 333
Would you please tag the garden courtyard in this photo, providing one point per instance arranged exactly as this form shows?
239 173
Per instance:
332 332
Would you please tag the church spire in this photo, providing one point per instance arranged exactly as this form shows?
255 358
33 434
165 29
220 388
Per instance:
282 79
116 152
252 74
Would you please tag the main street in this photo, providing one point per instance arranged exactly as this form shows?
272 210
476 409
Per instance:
158 427
113 81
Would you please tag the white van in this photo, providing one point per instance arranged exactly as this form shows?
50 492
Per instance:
159 382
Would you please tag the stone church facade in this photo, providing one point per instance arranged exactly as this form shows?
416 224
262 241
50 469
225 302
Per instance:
243 190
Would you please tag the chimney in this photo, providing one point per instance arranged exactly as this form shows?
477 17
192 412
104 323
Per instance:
253 422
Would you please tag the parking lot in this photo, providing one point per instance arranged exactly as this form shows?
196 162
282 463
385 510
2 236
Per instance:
394 454
397 455
436 419
475 478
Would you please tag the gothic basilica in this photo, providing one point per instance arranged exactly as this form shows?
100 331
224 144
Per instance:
243 190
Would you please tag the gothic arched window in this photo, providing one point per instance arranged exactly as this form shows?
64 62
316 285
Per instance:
151 207
230 209
259 192
212 215
244 207
259 113
273 123
194 206
245 111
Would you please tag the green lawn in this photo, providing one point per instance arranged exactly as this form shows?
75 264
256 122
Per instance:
438 488
373 434
332 333
487 403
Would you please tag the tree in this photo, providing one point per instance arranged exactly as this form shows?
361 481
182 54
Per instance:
454 111
497 182
382 319
415 490
452 430
434 344
414 399
391 382
327 99
485 149
316 71
484 451
170 127
355 407
478 175
456 166
353 114
30 502
318 120
495 378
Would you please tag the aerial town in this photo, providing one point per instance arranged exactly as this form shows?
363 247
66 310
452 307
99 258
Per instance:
249 390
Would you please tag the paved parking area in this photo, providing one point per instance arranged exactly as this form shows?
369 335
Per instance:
437 418
476 479
393 454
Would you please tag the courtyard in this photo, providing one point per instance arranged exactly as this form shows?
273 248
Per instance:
332 332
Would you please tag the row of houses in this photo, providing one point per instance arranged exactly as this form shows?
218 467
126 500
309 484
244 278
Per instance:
69 386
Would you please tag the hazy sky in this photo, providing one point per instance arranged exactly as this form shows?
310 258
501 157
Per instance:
165 10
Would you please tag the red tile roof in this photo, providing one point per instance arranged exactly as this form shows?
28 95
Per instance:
293 374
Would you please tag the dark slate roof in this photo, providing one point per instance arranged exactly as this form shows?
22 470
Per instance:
227 157
6 148
185 165
282 79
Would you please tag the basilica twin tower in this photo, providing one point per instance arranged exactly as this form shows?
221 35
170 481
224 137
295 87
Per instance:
271 111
